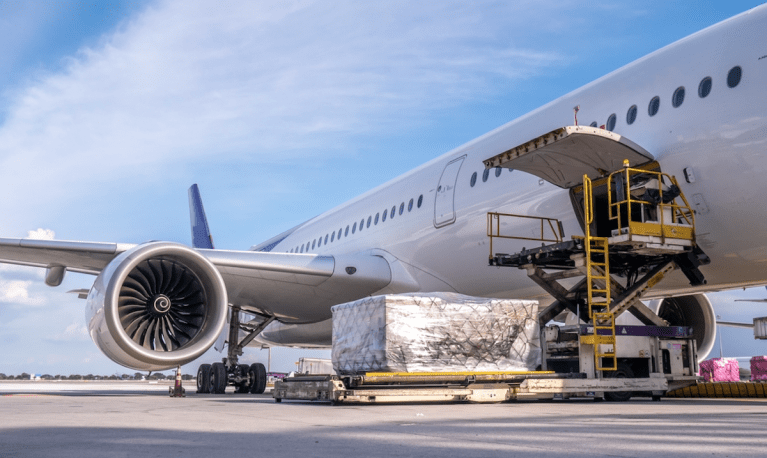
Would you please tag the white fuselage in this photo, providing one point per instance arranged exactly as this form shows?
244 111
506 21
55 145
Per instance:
721 138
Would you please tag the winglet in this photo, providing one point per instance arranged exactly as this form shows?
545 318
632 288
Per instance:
201 237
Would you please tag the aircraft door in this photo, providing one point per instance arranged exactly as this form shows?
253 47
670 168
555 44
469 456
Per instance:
444 202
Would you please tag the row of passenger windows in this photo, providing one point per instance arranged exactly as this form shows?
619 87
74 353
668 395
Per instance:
333 236
486 174
677 98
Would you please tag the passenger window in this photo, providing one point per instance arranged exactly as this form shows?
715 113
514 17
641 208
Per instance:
369 218
401 207
319 242
376 220
631 115
410 204
678 98
326 239
314 242
473 180
362 223
346 232
733 77
354 228
420 200
485 174
340 233
652 109
383 218
704 88
332 236
302 248
593 124
393 212
611 122
498 171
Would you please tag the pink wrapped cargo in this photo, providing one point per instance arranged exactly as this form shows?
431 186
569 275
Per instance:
720 370
759 369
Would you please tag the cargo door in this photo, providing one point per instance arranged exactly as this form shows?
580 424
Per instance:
564 155
444 202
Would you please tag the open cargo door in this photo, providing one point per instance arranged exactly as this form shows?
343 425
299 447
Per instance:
564 155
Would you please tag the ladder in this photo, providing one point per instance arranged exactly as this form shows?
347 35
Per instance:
598 285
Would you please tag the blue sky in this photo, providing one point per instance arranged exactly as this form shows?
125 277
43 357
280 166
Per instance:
279 110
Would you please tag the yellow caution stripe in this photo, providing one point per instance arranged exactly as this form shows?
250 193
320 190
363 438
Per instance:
721 390
460 374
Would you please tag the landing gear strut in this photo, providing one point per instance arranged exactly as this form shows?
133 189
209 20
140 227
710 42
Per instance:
214 378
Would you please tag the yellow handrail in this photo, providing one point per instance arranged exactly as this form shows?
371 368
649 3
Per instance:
494 228
680 214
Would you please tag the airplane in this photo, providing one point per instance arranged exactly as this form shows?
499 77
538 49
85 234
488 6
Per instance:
697 109
750 300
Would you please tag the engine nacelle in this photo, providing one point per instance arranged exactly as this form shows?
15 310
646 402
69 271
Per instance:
695 311
157 306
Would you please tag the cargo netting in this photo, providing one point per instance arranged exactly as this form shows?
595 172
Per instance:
435 332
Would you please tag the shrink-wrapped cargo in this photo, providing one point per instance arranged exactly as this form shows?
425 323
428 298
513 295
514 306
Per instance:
720 370
435 332
759 369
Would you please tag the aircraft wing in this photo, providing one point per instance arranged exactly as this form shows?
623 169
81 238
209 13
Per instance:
293 287
82 257
733 324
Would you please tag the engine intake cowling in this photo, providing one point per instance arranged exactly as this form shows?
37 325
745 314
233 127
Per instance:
695 311
157 306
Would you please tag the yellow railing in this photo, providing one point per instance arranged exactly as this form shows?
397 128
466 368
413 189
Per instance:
644 217
494 228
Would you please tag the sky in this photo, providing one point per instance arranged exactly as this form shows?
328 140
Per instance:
279 110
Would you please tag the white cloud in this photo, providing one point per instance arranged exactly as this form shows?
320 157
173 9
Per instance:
17 292
266 81
75 331
41 234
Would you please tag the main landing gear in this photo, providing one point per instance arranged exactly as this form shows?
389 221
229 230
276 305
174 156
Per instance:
214 378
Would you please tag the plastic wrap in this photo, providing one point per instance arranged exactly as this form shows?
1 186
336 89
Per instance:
759 369
435 332
720 370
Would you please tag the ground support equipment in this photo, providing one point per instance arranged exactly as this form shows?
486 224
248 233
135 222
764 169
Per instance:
638 227
475 387
721 390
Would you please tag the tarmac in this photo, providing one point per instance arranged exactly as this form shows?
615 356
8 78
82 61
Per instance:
130 419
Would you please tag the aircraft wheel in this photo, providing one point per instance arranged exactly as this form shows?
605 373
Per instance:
258 375
218 378
203 378
623 371
245 385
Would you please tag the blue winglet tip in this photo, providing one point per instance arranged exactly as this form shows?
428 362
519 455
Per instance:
201 236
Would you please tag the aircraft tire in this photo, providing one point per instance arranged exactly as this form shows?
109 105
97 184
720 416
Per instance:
622 371
245 385
258 371
203 378
218 378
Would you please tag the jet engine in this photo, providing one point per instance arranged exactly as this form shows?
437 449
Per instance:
695 311
157 306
